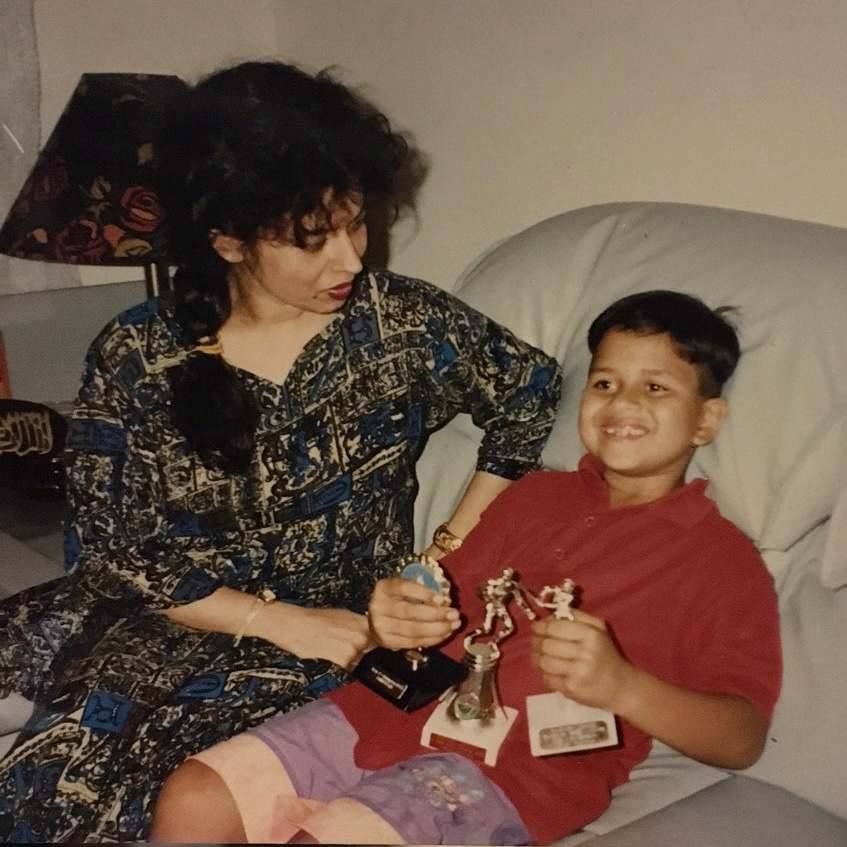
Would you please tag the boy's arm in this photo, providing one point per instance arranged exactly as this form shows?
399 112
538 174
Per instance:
723 730
580 659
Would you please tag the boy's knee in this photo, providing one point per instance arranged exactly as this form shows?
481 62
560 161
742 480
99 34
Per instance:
195 804
187 783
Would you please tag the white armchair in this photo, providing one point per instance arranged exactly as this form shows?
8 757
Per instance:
777 470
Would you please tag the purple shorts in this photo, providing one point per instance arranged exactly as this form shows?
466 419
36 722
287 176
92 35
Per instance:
433 798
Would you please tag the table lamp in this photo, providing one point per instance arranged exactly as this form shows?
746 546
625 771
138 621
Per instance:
89 198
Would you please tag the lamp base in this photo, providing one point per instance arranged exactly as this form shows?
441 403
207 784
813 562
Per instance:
157 279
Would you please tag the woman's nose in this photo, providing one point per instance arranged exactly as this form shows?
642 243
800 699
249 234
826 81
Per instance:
347 253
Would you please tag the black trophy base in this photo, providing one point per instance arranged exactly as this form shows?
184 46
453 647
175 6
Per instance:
391 675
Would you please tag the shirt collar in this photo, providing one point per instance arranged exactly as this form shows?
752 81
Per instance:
684 506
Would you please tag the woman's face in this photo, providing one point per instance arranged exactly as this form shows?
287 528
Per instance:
317 277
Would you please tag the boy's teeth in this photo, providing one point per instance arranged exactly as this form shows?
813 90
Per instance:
623 431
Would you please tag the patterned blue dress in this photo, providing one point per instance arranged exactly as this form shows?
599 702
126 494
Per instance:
324 510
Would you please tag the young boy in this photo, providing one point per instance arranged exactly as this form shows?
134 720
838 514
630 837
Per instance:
679 637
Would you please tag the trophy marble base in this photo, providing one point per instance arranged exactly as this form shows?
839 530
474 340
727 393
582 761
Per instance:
477 740
391 675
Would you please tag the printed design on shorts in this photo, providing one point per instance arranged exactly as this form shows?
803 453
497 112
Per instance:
445 790
323 512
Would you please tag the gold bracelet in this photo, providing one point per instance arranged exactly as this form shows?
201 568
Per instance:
445 540
264 598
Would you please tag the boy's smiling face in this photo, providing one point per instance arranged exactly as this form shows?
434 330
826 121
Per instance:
642 414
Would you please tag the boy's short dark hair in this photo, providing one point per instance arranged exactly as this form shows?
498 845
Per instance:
702 336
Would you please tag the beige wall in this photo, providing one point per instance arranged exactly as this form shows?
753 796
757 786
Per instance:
526 107
182 37
531 107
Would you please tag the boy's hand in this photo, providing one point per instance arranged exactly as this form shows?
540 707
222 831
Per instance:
404 615
580 659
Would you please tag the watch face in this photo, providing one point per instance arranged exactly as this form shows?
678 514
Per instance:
445 540
426 572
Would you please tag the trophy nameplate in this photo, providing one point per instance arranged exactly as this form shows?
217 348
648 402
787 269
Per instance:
410 679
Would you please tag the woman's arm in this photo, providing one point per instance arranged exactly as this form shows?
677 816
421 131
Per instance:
511 390
339 635
123 548
481 490
119 544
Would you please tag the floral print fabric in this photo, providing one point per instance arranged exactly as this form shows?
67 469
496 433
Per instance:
323 512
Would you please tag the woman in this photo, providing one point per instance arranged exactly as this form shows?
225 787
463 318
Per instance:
241 460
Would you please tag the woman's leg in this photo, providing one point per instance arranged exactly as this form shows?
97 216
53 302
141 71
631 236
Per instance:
196 805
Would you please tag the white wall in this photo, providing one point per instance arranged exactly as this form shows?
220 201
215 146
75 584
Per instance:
531 107
46 334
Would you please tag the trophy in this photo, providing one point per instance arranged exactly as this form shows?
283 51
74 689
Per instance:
472 719
476 697
410 679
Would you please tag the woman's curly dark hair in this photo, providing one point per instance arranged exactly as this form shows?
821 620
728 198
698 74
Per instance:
248 151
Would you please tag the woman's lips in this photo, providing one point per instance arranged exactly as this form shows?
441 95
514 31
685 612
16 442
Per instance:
341 292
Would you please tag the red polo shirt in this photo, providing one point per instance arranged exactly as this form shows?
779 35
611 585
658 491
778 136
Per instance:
684 592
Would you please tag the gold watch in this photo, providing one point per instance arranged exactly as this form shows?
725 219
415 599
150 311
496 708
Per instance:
445 540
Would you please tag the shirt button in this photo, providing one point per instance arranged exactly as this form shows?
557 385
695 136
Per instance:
559 553
590 521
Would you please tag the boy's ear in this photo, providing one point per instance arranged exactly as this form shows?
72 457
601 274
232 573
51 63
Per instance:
712 415
228 247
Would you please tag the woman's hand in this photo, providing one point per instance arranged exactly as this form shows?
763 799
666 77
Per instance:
339 635
404 615
580 659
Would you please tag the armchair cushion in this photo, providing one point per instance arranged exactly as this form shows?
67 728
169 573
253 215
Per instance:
781 459
807 747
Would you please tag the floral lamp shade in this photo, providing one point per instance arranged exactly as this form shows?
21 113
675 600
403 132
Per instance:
89 198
